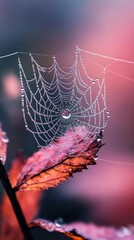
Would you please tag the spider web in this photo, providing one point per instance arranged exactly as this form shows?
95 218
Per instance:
57 99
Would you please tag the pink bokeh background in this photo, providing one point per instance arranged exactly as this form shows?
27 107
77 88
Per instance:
110 186
104 27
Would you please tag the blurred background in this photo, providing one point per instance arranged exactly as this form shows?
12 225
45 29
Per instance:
105 193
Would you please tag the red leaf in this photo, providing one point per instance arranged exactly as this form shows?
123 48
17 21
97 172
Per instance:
50 226
92 231
44 169
87 230
3 145
29 202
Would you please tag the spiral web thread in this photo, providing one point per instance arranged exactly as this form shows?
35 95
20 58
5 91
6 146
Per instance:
55 100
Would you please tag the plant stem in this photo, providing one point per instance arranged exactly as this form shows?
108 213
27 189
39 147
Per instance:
15 204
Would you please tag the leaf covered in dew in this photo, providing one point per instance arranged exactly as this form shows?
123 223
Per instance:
3 145
29 201
45 170
92 231
87 231
50 226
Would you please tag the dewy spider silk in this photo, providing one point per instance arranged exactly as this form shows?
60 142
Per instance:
56 99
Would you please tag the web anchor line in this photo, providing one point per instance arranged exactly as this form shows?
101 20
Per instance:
66 53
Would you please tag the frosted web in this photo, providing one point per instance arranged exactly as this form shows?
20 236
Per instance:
56 99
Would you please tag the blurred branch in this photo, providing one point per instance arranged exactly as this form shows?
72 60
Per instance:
15 204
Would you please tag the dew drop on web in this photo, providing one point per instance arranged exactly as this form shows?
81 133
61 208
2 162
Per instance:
66 114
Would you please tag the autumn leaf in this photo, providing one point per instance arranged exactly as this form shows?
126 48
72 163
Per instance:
89 231
29 202
92 231
50 226
45 170
3 145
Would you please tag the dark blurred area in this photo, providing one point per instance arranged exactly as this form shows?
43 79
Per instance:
105 193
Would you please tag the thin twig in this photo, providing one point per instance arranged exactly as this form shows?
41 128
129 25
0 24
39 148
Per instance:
15 204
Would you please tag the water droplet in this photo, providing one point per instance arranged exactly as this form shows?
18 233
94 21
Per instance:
58 222
50 227
124 231
96 158
108 114
93 81
99 138
66 114
5 139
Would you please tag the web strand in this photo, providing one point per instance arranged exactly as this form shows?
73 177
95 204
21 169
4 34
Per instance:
129 164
